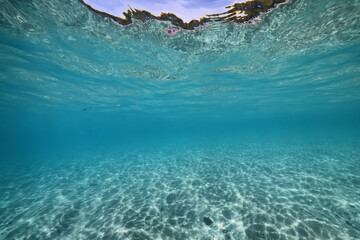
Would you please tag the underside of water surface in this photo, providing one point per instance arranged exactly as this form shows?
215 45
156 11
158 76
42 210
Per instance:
233 130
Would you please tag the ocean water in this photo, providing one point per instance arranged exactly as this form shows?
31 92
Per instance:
230 132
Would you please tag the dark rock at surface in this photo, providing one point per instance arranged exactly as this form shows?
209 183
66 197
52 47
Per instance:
250 10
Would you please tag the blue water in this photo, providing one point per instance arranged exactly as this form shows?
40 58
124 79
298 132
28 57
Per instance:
231 132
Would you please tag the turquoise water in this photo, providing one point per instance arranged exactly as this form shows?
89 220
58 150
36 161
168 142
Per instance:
231 132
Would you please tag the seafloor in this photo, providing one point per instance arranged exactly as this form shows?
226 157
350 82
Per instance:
218 192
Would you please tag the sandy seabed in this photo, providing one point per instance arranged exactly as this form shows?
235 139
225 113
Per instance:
218 192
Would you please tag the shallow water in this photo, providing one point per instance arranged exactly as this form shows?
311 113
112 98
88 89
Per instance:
248 192
230 132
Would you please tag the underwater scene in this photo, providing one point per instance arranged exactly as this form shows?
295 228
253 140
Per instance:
243 124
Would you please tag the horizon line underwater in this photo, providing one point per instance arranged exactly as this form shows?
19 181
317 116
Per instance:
143 124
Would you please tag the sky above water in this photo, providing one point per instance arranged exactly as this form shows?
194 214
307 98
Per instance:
186 9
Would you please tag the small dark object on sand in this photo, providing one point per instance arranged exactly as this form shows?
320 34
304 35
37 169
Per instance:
207 221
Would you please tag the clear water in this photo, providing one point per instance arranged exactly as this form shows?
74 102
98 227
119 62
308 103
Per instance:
233 132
